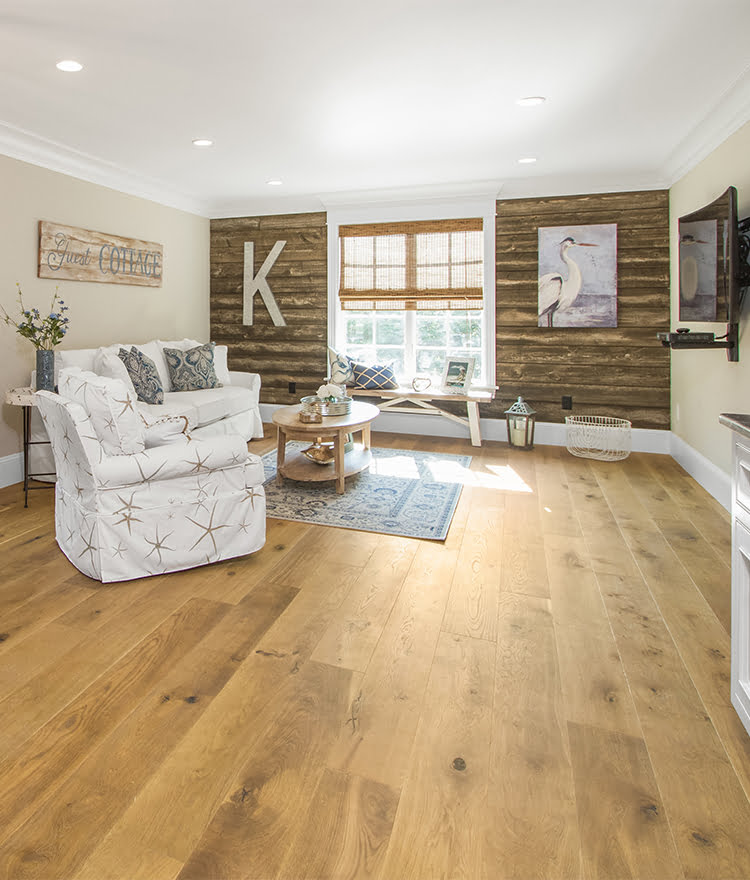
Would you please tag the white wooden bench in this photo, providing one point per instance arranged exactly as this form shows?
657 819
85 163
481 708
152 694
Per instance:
393 398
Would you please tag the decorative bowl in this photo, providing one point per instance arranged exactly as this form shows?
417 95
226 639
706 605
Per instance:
310 417
340 407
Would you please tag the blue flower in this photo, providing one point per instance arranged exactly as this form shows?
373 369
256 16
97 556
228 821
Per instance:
54 316
27 314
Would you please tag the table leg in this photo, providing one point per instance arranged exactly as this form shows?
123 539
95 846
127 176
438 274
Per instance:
472 410
26 435
338 451
280 453
366 441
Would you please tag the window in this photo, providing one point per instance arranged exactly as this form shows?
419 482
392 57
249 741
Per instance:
411 294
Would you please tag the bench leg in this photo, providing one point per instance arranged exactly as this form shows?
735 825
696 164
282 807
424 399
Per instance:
472 410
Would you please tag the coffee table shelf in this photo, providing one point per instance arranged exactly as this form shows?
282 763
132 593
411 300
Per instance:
298 467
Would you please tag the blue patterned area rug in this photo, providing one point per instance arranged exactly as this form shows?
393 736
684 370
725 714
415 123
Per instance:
404 492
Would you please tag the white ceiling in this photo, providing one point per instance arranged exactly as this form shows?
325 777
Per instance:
337 98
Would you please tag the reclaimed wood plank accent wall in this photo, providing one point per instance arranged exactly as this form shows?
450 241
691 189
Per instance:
621 371
298 279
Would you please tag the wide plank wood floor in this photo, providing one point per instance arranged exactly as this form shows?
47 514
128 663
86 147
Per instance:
544 695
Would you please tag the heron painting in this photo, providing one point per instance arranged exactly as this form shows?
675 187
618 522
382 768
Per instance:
698 251
578 276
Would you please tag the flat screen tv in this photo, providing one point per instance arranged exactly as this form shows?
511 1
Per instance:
709 262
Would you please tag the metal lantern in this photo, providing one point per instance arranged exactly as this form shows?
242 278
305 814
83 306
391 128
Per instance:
520 418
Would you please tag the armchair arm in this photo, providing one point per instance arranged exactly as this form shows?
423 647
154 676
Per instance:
170 461
245 380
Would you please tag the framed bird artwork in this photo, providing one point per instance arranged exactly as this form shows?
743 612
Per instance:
578 276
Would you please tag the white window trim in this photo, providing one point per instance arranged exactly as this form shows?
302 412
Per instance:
483 206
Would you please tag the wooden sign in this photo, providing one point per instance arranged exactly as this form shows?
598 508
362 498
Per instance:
73 254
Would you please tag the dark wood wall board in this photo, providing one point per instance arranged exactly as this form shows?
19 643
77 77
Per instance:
621 371
299 281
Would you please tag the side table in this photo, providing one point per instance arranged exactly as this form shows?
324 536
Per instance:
24 397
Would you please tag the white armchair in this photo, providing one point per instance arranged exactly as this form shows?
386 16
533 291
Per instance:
126 507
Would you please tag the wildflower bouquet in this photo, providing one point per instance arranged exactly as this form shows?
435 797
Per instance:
43 333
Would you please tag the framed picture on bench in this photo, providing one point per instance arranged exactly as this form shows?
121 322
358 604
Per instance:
457 374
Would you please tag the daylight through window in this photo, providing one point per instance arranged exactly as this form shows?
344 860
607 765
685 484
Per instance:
411 294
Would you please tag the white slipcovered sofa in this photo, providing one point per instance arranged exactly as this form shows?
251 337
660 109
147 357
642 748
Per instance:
211 412
231 409
133 500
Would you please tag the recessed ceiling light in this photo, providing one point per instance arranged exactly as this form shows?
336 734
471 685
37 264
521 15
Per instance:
274 182
202 142
69 66
527 160
531 101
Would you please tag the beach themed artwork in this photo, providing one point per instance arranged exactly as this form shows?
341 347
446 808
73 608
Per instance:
578 276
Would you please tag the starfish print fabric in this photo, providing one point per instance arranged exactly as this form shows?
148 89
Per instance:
165 508
111 407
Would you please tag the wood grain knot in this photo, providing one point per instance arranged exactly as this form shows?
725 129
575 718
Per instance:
191 699
701 840
650 811
4 636
459 764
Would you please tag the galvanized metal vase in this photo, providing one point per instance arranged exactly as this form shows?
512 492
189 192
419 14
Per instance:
45 369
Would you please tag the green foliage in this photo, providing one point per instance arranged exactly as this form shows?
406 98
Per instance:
44 332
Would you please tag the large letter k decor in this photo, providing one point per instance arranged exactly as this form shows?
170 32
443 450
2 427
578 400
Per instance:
252 284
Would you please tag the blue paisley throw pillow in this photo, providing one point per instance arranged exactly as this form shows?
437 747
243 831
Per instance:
193 369
143 374
376 376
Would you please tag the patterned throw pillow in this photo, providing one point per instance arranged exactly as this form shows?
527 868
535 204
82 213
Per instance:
143 374
376 376
110 407
193 369
342 367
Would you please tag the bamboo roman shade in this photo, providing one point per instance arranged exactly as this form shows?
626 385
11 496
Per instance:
432 264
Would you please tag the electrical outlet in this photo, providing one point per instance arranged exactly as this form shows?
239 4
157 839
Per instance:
567 401
292 387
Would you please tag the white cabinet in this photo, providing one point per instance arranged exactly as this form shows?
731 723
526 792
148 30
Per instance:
741 579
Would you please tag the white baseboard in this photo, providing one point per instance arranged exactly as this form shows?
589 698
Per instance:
713 479
11 469
546 433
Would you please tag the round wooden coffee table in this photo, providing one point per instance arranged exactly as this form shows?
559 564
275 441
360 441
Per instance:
298 467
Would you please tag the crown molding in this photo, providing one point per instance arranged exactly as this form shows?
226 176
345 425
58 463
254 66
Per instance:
552 185
408 195
28 147
730 113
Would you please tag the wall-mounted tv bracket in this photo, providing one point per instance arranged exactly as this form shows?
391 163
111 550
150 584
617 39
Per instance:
685 338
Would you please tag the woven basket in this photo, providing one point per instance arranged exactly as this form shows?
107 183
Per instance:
599 437
340 407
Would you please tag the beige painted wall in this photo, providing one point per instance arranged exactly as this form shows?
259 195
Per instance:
99 313
704 383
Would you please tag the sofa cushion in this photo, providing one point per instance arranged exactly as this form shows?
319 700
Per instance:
143 374
111 408
173 406
211 404
192 370
83 358
107 363
221 354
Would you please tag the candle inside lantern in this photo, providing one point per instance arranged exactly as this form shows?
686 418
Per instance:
518 432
